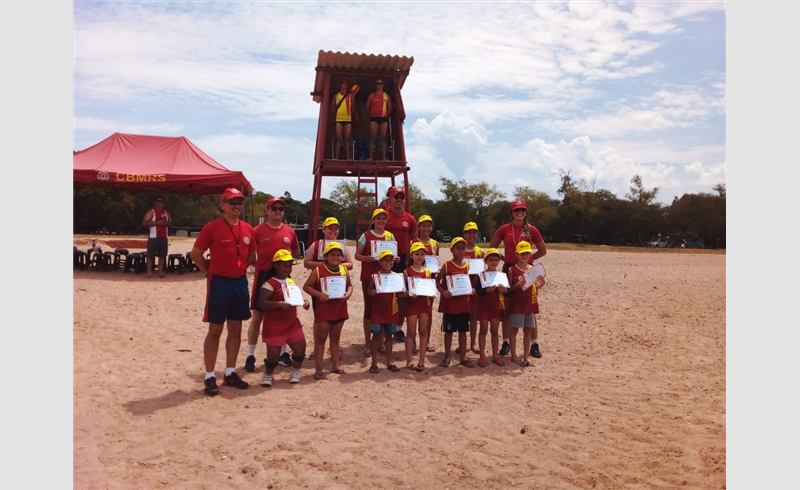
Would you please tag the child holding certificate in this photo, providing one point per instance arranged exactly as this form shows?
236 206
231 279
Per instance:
425 228
523 304
369 264
455 275
472 251
281 325
419 309
491 307
385 314
329 285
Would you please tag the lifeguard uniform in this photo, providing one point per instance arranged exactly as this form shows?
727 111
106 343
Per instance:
475 253
522 301
268 241
369 268
379 108
280 326
157 238
344 114
510 236
334 310
401 226
226 289
385 310
490 305
457 308
418 304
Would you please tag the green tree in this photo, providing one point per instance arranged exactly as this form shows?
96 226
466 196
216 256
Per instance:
639 194
464 202
345 196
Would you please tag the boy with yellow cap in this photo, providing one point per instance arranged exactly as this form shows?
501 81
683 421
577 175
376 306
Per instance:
472 251
455 308
491 308
523 304
385 315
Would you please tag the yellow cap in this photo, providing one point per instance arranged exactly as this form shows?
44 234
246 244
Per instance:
455 240
417 246
282 255
490 251
424 218
471 226
379 211
385 253
523 247
330 221
333 246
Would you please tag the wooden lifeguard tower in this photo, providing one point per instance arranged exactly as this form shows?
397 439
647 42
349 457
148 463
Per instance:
363 70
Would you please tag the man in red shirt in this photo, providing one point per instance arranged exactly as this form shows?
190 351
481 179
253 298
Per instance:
157 220
233 249
270 236
403 226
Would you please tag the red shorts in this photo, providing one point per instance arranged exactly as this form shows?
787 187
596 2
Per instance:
277 339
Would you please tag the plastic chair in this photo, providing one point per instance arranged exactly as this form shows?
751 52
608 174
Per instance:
176 263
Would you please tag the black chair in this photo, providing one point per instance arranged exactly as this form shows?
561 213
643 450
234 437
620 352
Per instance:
118 260
176 263
78 259
135 262
189 265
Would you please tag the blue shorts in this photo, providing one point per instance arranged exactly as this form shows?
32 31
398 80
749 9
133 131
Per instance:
387 328
227 299
455 322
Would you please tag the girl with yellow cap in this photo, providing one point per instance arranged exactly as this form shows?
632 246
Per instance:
330 231
419 309
425 227
370 265
473 251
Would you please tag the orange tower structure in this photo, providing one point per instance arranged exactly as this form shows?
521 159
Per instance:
361 70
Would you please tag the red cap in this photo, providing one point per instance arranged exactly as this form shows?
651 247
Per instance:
232 193
518 203
274 200
393 191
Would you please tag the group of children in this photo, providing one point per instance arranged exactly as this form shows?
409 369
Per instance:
385 312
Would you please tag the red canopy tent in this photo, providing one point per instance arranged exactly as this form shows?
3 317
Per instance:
139 163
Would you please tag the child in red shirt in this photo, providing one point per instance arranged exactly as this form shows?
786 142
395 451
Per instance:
385 315
455 308
418 310
523 304
491 308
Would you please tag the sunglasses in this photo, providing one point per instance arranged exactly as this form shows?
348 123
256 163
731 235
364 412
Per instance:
159 200
278 209
378 83
521 209
236 203
400 197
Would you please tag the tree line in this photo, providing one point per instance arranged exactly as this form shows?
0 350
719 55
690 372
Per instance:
597 216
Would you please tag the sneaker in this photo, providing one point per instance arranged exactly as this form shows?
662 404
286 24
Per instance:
505 349
234 380
285 360
294 376
400 336
535 351
211 386
250 364
267 379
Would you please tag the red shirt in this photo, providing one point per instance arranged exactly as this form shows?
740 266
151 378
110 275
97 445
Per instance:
521 301
229 246
269 240
456 304
369 268
385 308
510 235
158 231
431 248
278 321
333 309
402 226
418 304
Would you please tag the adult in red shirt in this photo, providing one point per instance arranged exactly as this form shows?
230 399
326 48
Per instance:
271 236
510 234
157 221
233 249
403 226
379 106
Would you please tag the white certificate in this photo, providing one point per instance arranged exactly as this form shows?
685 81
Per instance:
493 278
418 286
380 245
432 263
476 266
532 274
292 294
333 286
321 244
459 284
389 283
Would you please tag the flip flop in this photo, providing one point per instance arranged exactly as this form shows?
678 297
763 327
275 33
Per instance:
499 361
311 357
482 362
445 363
475 350
524 363
338 371
467 363
318 376
392 368
367 353
430 348
419 368
410 366
374 369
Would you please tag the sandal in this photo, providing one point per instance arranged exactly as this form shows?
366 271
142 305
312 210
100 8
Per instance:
410 366
467 363
338 371
475 350
430 348
311 357
419 368
392 368
374 369
482 362
367 353
499 361
445 362
524 363
318 376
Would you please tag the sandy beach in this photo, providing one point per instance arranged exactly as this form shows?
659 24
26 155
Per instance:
630 391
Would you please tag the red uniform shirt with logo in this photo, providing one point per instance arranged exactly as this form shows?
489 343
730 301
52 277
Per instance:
369 268
229 246
269 240
278 321
455 304
401 226
418 304
333 309
522 301
511 235
385 309
158 231
490 305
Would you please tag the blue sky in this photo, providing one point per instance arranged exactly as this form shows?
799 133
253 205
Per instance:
505 92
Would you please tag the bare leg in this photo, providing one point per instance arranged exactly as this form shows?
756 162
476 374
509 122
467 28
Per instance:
254 329
513 344
424 334
367 336
473 327
411 338
448 341
320 337
150 262
162 265
387 341
494 323
482 338
335 333
462 344
375 347
348 129
211 345
384 128
526 340
337 141
273 354
298 349
373 133
233 342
